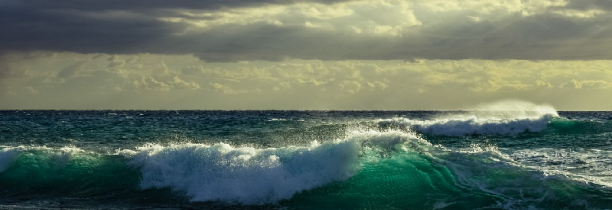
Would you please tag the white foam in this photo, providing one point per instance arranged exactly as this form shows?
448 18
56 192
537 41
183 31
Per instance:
522 177
385 143
500 118
253 176
585 165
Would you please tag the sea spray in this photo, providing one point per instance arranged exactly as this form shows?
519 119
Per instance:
244 175
516 108
254 176
499 118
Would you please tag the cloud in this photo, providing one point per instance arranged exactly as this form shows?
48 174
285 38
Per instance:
85 81
595 84
587 84
352 87
99 73
229 31
115 62
226 89
590 5
71 70
104 5
31 90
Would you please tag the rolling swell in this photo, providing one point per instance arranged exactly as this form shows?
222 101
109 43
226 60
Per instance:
365 169
34 173
201 173
580 126
425 176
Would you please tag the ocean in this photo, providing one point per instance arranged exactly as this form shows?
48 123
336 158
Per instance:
500 156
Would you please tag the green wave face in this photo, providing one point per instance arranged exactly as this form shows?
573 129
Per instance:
43 177
451 181
409 174
63 172
408 180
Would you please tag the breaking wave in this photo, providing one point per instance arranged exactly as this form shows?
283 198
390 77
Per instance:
500 118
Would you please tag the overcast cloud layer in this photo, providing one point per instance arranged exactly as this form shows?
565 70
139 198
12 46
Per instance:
304 54
236 30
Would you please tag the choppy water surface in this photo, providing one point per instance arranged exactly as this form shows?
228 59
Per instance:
522 156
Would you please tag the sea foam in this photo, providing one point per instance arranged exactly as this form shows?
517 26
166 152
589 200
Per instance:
254 176
586 165
244 175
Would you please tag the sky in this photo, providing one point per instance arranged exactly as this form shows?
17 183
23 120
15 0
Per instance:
304 54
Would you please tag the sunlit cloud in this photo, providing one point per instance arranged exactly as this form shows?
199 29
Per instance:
302 54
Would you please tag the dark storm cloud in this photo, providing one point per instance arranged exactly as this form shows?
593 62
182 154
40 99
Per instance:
541 37
590 4
538 37
133 26
97 5
72 25
31 29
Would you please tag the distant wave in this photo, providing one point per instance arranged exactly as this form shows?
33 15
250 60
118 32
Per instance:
474 125
501 118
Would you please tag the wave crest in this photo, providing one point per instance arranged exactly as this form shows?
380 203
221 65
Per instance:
255 176
500 118
244 175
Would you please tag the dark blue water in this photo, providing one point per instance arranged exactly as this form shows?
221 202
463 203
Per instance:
494 159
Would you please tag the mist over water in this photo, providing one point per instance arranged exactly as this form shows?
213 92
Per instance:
503 155
516 108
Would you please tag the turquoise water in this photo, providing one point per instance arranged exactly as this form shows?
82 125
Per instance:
492 159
